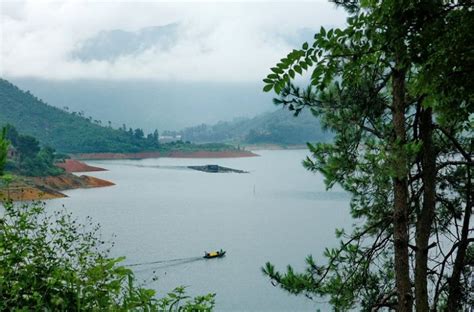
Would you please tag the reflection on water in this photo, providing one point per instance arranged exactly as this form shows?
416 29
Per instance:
279 212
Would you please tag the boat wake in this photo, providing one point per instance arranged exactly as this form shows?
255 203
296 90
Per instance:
189 259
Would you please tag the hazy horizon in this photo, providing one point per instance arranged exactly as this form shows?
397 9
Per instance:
152 104
154 64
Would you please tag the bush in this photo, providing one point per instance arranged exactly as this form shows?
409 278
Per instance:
50 262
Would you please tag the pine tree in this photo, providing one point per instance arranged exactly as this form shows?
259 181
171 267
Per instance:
395 87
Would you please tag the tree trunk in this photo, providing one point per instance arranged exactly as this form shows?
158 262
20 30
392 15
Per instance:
455 294
400 184
425 218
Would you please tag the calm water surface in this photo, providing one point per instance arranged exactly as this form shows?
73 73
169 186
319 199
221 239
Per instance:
279 212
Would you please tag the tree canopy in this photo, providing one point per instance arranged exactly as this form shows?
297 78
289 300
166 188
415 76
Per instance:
395 86
29 158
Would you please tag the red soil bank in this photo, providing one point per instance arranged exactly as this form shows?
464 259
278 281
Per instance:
71 165
42 188
28 193
70 182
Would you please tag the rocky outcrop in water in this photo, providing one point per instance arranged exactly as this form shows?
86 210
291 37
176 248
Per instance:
216 169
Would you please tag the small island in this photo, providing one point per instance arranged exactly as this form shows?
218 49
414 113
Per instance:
216 169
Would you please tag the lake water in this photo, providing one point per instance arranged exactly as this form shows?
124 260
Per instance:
279 212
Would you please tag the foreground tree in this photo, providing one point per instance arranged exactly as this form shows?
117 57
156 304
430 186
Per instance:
396 88
50 262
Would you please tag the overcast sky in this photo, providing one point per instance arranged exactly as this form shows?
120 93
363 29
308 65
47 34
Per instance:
204 41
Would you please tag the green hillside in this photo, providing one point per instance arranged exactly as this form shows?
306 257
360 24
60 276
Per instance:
64 131
278 127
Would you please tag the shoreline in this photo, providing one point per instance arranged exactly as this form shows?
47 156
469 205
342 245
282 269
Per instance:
51 187
72 165
176 154
275 147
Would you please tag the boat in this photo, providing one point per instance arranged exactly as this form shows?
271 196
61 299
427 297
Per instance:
214 254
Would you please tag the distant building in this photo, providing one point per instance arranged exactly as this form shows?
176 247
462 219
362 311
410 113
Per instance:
169 138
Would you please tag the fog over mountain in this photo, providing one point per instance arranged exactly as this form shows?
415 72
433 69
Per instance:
167 41
154 64
152 104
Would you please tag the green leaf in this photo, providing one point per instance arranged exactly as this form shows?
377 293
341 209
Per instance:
293 55
305 46
297 69
330 33
277 89
276 70
285 61
316 72
291 72
267 88
322 31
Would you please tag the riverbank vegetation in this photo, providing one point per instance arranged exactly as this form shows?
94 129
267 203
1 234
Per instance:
37 172
74 132
395 86
51 262
27 157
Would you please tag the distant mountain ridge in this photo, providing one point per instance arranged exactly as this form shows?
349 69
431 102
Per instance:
150 104
64 131
70 132
278 127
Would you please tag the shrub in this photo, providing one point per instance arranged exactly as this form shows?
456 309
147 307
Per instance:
50 262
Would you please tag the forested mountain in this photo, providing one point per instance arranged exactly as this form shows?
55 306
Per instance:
278 127
151 104
68 132
73 132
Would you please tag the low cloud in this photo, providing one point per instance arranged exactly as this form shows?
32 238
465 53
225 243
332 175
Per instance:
223 41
